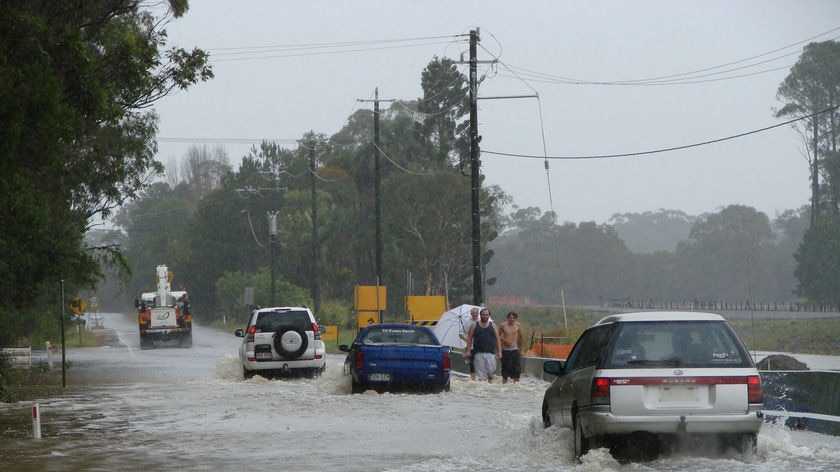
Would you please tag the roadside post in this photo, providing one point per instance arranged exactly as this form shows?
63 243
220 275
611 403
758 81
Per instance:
36 421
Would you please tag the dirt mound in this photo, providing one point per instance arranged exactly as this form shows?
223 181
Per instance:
781 362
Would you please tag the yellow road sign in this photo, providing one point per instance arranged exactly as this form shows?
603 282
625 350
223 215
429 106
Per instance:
330 333
78 306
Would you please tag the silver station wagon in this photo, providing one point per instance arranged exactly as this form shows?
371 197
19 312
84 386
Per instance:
642 384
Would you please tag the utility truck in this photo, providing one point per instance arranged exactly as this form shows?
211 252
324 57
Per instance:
164 315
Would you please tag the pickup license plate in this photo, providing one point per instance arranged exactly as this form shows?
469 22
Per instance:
379 377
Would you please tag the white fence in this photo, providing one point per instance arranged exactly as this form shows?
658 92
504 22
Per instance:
18 356
26 356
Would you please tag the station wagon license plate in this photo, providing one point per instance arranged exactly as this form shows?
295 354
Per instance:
380 377
679 394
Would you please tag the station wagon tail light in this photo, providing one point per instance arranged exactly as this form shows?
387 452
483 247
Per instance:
447 362
754 392
600 390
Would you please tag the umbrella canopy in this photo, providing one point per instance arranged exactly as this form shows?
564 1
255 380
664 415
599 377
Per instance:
453 323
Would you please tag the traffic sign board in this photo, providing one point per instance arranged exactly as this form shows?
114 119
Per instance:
78 306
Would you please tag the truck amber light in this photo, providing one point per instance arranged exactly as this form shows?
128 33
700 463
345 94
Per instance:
754 392
447 362
600 387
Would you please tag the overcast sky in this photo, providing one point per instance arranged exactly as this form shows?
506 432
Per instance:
613 77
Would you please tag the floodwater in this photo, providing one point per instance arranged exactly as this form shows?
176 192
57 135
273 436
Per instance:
190 409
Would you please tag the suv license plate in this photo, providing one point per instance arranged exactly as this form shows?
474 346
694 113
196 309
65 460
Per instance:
380 377
263 356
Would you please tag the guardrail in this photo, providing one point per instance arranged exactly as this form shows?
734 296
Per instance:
18 356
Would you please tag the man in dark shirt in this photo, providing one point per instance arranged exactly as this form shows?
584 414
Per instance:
486 346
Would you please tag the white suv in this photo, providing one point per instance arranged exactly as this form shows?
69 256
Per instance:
282 341
643 383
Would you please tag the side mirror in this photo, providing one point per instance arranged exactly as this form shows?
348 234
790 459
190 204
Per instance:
344 348
322 329
239 333
554 367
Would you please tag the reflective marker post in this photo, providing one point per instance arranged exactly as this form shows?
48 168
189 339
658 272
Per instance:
36 421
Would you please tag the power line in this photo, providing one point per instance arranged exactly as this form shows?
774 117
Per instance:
315 49
690 77
658 151
227 140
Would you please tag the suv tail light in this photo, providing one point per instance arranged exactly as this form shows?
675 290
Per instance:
317 332
250 337
754 391
601 390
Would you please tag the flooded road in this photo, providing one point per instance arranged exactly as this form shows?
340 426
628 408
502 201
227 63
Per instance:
190 409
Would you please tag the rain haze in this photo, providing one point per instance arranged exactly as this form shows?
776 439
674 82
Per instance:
612 77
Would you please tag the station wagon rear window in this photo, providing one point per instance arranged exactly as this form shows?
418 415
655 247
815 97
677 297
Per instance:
710 344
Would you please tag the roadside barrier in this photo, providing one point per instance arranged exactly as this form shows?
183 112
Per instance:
18 356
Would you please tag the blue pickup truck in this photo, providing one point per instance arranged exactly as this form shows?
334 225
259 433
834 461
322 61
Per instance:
397 357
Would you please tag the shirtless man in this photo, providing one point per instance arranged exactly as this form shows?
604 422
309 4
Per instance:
511 338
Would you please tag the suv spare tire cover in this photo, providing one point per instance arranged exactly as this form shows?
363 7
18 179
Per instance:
290 342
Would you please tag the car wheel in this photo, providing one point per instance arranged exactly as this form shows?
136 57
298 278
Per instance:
316 372
545 416
357 387
581 443
290 342
744 444
247 373
750 444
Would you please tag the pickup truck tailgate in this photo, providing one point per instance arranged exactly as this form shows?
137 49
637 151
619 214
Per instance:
408 363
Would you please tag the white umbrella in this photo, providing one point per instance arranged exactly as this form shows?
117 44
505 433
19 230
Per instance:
453 323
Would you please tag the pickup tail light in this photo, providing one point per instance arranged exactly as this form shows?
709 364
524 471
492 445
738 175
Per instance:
447 362
601 390
754 391
360 360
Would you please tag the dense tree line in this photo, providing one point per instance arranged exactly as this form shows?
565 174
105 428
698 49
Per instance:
77 139
812 90
327 182
736 254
